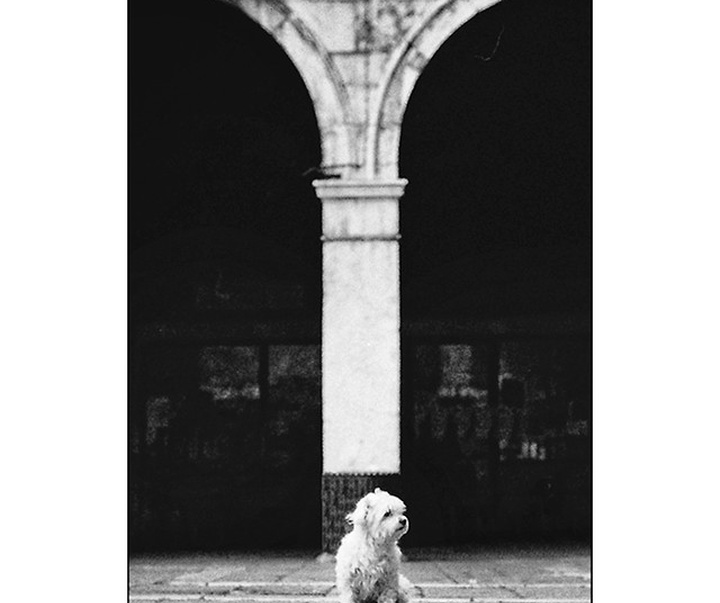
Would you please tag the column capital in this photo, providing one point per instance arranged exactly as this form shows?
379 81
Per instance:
359 190
360 210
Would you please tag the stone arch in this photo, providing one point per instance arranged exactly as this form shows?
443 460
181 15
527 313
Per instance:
404 67
316 68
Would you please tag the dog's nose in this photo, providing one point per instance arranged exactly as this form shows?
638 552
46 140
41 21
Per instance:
403 521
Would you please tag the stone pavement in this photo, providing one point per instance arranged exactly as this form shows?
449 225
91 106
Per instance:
492 575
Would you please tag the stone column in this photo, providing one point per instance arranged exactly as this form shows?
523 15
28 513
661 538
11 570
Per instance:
360 344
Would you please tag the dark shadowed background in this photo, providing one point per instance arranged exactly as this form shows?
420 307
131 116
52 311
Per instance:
225 282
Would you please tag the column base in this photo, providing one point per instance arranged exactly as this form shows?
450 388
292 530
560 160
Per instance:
340 493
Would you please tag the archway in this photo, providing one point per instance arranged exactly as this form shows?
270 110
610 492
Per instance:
495 265
225 278
319 72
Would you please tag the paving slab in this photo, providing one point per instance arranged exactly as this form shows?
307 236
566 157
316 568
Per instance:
425 571
511 591
543 575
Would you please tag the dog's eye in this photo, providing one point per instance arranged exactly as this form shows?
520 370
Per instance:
388 513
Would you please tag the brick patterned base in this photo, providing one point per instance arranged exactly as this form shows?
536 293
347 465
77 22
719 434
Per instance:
340 493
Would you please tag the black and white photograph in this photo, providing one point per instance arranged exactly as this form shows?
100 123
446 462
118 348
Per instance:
360 301
360 284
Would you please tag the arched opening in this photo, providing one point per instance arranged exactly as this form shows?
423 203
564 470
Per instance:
222 129
495 276
225 284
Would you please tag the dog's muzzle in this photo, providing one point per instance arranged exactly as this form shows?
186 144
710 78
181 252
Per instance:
404 525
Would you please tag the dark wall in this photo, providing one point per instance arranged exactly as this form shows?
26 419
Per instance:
496 145
225 446
496 230
221 131
224 239
225 278
496 438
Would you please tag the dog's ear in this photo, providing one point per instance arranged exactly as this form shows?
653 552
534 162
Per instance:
359 515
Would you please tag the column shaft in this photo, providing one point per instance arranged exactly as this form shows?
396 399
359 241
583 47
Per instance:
360 343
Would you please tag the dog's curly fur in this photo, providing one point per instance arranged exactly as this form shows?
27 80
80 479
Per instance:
368 560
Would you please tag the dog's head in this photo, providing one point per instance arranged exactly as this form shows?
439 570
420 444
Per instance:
381 516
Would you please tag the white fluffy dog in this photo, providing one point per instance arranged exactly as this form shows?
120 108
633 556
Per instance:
368 560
